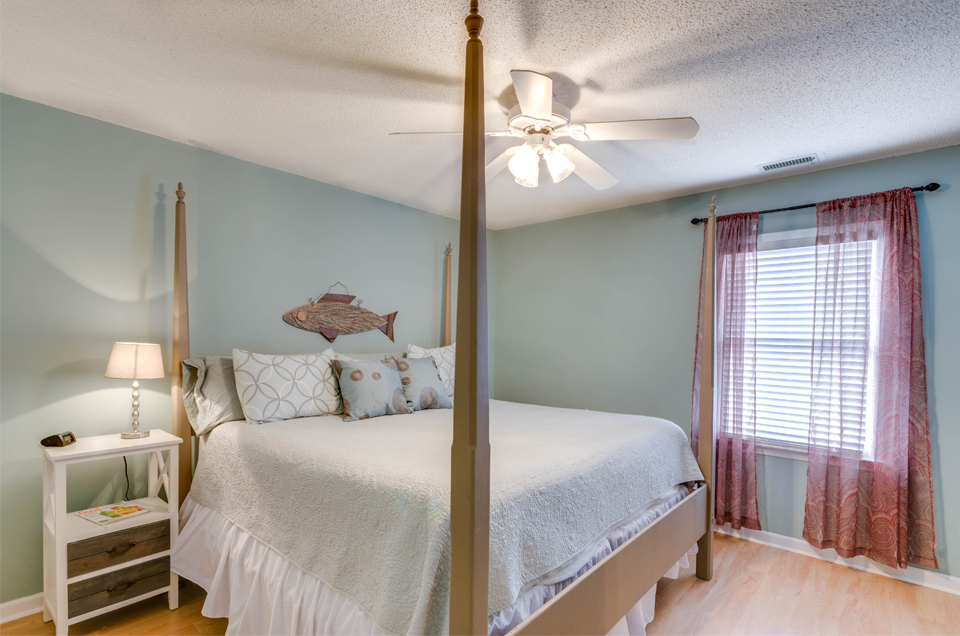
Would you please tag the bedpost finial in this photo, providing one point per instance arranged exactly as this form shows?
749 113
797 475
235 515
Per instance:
180 192
713 205
449 248
474 21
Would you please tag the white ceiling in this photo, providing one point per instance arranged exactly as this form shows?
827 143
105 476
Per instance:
313 88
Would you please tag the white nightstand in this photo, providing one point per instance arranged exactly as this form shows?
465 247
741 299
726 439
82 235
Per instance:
90 569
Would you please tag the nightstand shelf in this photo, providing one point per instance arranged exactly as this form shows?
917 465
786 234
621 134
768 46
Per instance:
89 569
78 529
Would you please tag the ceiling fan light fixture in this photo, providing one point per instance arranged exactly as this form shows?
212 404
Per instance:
557 164
524 165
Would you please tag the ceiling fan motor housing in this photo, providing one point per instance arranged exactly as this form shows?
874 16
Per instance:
522 124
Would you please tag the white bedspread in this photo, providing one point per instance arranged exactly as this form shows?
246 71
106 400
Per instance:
364 506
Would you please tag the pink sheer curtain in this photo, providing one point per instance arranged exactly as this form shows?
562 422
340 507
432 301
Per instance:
869 489
736 355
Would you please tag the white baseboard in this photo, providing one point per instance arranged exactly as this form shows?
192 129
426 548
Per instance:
20 607
917 576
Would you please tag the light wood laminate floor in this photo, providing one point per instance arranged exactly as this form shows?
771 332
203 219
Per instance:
149 617
756 590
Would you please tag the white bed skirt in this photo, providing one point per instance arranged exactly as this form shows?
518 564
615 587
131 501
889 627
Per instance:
261 592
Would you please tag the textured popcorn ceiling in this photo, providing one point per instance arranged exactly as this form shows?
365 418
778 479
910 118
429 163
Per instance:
313 88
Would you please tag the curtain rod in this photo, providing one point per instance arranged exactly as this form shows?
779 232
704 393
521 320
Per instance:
930 187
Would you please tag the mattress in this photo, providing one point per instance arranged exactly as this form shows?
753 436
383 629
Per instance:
364 507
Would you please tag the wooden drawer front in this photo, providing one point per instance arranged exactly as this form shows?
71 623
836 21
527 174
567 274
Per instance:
107 589
117 547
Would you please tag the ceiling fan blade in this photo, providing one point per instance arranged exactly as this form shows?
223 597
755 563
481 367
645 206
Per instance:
674 128
535 93
488 134
496 166
588 169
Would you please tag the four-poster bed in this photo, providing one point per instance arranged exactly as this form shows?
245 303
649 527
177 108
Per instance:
599 597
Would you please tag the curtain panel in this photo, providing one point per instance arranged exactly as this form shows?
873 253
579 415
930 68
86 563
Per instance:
869 487
735 377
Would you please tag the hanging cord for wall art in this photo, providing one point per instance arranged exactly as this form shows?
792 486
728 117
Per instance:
359 301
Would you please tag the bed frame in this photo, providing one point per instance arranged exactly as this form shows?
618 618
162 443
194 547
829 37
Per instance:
596 601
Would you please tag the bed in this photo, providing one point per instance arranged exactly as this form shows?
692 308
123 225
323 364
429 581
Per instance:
491 557
364 510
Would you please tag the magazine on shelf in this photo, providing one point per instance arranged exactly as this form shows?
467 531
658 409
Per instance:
102 515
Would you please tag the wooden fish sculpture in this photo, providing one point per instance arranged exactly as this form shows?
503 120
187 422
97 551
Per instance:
333 314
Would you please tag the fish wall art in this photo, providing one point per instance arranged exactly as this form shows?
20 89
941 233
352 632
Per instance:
332 315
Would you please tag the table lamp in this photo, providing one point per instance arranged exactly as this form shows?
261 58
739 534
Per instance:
135 361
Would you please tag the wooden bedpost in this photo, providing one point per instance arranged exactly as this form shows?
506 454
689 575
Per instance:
181 346
470 454
447 298
708 440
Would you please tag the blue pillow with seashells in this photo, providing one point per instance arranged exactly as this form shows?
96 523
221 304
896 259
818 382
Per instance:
369 388
422 384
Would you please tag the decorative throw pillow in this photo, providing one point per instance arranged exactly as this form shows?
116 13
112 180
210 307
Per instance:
370 389
210 393
446 358
283 387
422 384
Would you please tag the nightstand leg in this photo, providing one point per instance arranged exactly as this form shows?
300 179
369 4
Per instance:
48 539
60 515
173 596
173 506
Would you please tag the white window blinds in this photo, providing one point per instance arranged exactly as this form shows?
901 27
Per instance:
785 344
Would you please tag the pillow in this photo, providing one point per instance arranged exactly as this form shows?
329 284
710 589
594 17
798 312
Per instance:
284 387
446 361
210 393
422 384
370 389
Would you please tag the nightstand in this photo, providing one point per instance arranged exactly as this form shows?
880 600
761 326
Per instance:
89 569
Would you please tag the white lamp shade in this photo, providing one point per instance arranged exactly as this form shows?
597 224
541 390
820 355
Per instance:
524 165
558 165
135 361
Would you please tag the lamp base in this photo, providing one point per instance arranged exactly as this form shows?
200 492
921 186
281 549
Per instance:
134 434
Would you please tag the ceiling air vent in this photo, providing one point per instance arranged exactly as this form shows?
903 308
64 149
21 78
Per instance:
787 163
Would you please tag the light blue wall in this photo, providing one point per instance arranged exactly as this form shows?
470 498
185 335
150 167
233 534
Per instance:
594 312
599 312
86 259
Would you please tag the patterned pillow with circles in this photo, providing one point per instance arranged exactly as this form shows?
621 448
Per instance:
370 389
446 358
284 387
422 384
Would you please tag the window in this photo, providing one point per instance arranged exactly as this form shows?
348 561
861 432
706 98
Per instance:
785 343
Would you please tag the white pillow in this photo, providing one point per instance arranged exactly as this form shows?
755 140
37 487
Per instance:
283 387
446 358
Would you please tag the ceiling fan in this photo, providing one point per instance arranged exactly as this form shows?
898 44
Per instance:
539 120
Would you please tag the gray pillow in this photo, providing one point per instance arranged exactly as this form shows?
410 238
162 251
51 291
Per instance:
370 389
210 393
422 384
